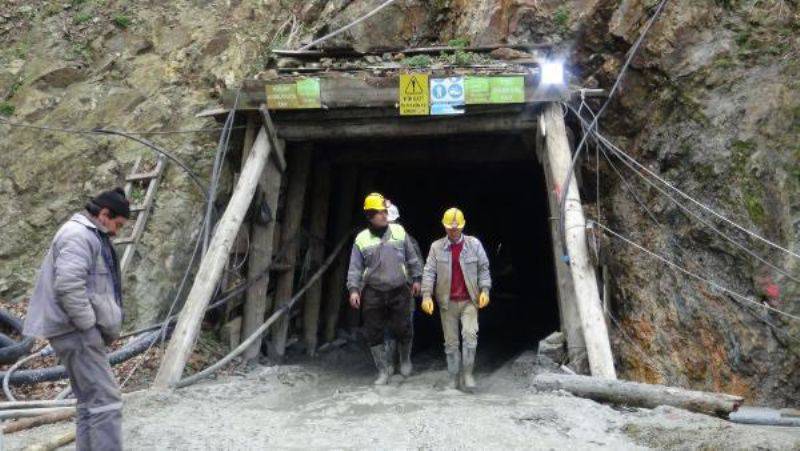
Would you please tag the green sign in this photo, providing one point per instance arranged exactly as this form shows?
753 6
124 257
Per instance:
508 90
478 90
303 94
487 90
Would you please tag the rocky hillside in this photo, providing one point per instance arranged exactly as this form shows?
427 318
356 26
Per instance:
711 103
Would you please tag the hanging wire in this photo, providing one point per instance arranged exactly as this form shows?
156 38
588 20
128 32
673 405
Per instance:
593 126
689 273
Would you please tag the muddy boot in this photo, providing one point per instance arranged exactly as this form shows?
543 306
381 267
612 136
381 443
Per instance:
405 359
391 348
379 354
453 367
469 365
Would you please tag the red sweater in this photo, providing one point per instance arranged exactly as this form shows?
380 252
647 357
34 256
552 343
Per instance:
458 288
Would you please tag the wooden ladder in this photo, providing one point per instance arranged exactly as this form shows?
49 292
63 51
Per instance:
142 210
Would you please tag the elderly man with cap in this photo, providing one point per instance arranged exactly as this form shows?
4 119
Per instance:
457 274
77 306
383 265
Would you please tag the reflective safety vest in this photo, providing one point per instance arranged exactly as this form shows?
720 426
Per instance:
379 262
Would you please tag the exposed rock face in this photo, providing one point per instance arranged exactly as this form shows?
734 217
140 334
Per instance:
711 103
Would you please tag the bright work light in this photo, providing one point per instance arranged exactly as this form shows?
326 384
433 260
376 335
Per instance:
552 73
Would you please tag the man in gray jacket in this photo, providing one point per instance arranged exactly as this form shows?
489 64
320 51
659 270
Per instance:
77 306
383 265
457 273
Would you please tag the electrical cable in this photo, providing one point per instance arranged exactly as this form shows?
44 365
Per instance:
685 271
348 26
593 126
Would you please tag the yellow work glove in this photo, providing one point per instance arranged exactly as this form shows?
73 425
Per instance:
427 306
483 299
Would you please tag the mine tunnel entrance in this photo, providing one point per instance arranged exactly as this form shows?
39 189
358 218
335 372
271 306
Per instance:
498 183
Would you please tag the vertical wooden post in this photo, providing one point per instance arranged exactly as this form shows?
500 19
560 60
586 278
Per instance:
260 257
211 266
567 304
298 165
342 222
320 203
595 332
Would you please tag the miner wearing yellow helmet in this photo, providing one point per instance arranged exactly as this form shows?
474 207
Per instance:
384 273
457 274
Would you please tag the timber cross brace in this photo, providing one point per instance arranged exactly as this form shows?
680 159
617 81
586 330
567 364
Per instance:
289 155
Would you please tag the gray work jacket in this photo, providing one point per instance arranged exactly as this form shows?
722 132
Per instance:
75 286
438 270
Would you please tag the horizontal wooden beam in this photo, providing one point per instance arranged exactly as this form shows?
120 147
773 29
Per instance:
366 90
349 51
407 127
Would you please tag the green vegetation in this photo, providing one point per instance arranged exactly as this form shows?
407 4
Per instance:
80 51
561 17
82 18
418 61
458 43
7 109
122 21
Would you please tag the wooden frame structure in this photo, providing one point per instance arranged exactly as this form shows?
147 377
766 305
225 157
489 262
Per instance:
364 105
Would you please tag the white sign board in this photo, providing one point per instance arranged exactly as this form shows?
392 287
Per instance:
447 96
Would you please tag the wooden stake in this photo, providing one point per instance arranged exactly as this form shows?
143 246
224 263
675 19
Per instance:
638 394
261 249
342 221
27 423
210 270
32 412
54 442
298 167
595 332
320 202
567 303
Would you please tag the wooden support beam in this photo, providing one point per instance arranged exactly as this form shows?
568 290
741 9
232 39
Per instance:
211 266
299 164
320 203
584 279
261 250
342 221
40 420
567 302
639 395
397 127
364 89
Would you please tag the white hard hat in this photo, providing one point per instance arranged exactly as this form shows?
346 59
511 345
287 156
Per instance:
394 213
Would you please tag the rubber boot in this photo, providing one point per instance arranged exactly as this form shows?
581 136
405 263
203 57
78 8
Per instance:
379 354
391 348
469 365
405 359
453 368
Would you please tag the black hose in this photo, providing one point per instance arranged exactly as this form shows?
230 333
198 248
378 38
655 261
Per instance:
11 352
6 341
54 373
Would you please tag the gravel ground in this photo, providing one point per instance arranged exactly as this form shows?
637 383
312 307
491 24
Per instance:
329 403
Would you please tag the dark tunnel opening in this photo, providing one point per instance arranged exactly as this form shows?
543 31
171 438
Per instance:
499 184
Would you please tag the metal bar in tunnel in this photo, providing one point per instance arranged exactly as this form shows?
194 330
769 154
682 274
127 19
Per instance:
595 332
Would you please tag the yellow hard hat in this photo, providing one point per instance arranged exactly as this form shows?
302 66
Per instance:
454 219
374 201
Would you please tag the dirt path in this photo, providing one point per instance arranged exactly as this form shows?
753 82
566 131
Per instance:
328 403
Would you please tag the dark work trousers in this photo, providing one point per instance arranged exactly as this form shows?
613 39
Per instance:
386 310
99 409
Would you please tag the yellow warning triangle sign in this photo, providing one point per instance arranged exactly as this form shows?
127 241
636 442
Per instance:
414 87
